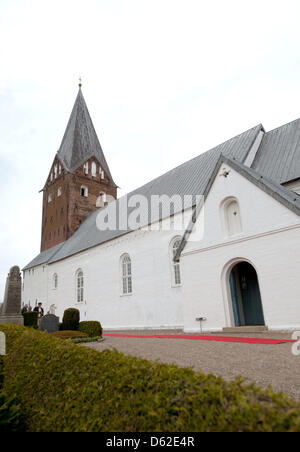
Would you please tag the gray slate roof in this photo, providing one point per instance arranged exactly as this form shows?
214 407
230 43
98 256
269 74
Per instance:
193 178
80 141
43 257
278 157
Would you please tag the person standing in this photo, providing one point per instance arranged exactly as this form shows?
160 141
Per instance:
40 312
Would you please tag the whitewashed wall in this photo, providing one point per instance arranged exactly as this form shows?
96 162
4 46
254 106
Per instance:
35 286
154 303
270 241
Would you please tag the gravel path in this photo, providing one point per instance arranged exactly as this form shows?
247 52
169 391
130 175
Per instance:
265 365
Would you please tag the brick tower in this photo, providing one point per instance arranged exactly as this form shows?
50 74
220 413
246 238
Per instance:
79 180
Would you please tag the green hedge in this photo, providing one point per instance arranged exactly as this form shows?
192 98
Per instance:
31 319
71 319
65 387
69 334
10 412
92 328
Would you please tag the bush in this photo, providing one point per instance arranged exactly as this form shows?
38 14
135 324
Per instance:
111 392
69 334
71 319
31 319
10 415
92 328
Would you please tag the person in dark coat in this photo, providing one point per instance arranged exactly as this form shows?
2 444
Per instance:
40 311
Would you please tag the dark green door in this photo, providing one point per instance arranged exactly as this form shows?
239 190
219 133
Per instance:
247 295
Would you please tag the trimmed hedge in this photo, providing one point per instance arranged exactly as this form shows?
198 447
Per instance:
31 319
10 413
92 328
71 319
69 334
64 387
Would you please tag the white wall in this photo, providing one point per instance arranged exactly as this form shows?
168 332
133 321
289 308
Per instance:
35 286
270 240
294 185
154 303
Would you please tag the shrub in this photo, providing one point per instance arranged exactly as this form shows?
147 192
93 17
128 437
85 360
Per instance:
81 340
31 319
92 328
71 319
69 334
109 391
10 415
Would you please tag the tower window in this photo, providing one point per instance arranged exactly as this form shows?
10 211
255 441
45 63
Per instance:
86 168
59 191
55 171
49 197
59 169
94 169
84 191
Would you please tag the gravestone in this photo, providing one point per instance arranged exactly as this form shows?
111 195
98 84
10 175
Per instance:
11 307
49 323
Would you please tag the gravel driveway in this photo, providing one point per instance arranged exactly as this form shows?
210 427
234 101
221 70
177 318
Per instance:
265 365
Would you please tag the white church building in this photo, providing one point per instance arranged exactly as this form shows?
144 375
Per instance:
234 263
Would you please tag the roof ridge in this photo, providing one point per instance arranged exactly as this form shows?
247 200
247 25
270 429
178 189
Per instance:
282 126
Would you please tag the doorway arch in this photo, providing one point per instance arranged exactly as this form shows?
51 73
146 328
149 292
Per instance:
245 295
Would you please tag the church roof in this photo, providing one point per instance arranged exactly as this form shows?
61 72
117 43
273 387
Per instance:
194 177
278 157
80 141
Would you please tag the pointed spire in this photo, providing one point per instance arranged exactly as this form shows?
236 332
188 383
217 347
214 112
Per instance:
80 141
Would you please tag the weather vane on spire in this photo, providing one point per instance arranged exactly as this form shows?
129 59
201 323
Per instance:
80 82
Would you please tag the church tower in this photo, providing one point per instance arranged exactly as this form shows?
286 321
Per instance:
79 181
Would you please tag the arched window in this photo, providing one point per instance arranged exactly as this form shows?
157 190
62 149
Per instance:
79 286
84 191
55 281
94 169
176 277
126 274
86 168
231 214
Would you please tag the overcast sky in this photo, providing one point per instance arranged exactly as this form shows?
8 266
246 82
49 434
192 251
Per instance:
164 81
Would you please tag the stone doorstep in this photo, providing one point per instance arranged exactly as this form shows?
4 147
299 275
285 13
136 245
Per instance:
245 329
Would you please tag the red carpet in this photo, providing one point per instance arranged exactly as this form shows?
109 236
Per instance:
245 340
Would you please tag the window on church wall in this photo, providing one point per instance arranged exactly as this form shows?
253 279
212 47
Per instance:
126 275
55 171
79 287
50 197
231 217
176 276
51 176
59 169
102 174
94 169
59 192
55 281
